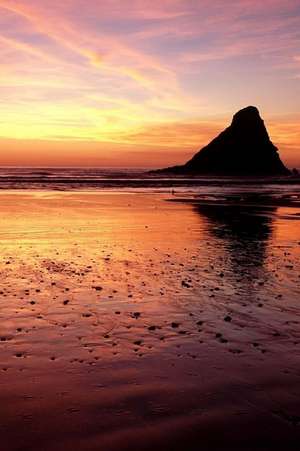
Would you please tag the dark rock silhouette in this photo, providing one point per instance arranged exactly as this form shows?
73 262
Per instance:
244 148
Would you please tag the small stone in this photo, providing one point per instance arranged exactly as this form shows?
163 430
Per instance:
227 318
98 288
136 315
185 284
151 327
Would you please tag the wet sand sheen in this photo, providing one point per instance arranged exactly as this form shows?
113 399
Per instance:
128 322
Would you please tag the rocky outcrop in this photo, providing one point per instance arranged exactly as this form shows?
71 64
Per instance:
244 148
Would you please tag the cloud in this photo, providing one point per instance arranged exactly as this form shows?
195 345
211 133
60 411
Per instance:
144 73
86 43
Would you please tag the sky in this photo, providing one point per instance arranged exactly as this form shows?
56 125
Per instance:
143 83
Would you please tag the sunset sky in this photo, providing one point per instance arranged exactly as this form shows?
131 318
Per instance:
143 83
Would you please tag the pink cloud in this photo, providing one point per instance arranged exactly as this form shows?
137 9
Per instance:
156 63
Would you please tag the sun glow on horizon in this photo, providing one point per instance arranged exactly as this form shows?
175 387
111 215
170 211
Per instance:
138 84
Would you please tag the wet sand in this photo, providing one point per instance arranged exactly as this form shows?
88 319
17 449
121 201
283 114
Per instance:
132 323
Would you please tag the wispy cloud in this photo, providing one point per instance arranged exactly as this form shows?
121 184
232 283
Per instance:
144 73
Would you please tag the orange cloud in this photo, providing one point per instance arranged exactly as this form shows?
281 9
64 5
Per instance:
167 144
145 75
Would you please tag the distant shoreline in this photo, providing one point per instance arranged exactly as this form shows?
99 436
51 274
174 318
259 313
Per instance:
146 181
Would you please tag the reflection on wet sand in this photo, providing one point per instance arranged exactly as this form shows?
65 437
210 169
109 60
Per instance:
241 234
125 324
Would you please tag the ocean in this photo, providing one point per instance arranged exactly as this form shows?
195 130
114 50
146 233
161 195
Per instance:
210 188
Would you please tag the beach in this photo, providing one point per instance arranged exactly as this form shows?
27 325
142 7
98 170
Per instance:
146 320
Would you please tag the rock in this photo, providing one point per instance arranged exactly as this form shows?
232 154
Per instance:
152 328
243 148
98 288
185 284
135 315
86 315
137 342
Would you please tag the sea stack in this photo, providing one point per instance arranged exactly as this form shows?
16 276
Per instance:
242 149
